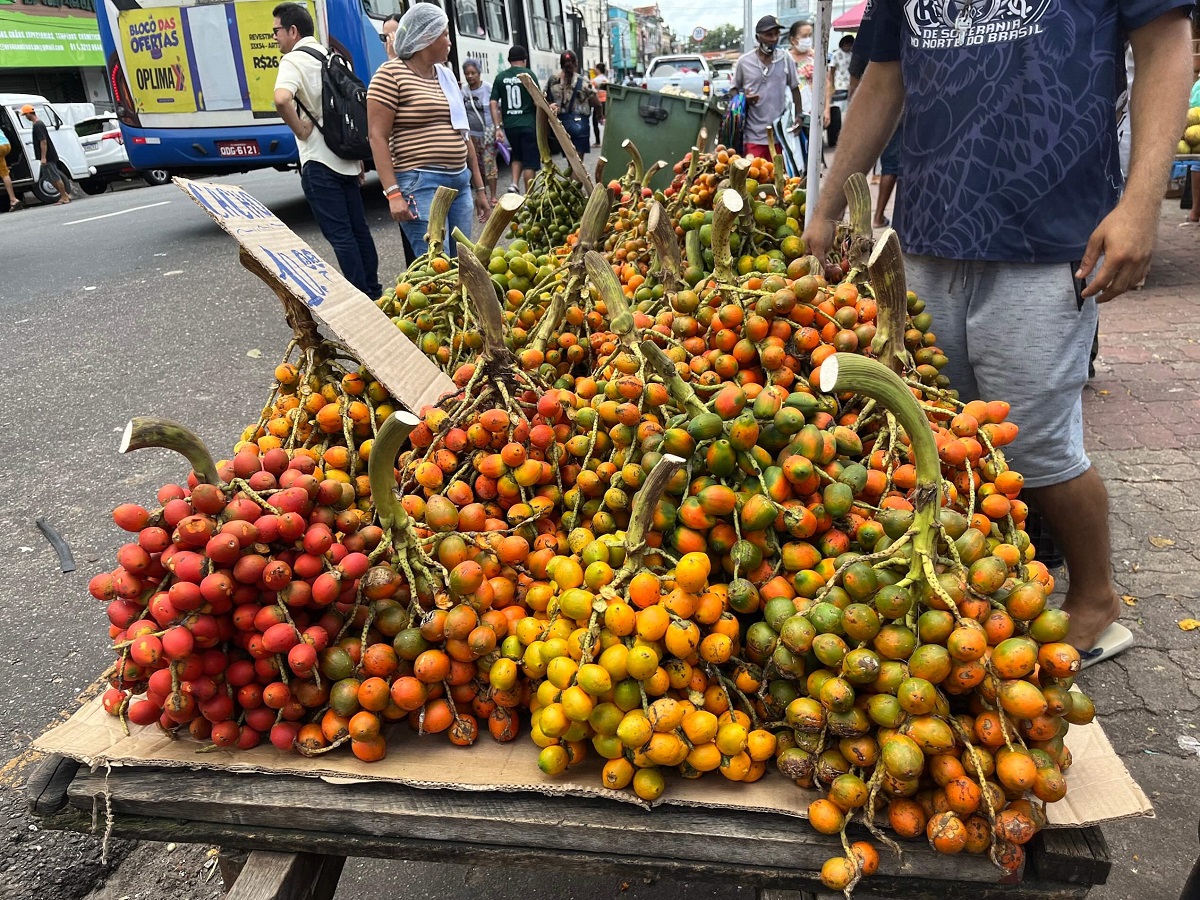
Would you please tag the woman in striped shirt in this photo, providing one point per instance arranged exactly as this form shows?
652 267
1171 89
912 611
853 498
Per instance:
420 138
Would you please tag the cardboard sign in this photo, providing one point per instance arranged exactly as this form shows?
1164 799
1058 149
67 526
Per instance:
297 270
1100 788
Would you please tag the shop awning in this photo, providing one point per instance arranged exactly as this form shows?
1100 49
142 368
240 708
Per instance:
851 18
47 41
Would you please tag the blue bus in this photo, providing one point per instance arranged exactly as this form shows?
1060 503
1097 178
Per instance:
193 81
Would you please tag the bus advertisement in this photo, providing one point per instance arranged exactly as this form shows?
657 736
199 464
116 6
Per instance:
194 80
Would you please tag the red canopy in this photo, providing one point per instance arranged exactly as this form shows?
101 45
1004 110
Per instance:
851 18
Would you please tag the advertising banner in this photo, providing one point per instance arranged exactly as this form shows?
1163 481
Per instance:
49 34
156 60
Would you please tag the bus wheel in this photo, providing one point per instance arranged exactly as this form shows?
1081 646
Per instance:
155 177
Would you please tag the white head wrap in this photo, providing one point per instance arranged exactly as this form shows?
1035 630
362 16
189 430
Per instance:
418 28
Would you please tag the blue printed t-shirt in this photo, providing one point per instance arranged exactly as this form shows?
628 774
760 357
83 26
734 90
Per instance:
1009 145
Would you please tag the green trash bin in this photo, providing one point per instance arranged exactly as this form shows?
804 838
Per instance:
663 126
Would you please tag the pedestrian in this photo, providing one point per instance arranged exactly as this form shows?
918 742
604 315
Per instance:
332 185
478 98
420 134
390 24
14 202
837 88
889 175
1011 212
765 77
572 98
515 117
43 149
600 83
800 49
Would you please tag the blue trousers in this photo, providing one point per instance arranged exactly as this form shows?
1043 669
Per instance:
423 184
336 202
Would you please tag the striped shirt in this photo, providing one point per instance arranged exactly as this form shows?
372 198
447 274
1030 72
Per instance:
422 136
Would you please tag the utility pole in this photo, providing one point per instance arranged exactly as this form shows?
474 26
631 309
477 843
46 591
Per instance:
748 26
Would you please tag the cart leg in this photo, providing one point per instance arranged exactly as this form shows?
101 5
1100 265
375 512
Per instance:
264 875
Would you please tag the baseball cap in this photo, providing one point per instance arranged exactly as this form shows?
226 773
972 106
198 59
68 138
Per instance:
767 23
26 109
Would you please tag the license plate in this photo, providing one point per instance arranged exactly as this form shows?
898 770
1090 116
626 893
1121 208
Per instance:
91 145
237 148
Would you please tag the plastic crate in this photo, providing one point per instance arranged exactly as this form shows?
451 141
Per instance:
663 126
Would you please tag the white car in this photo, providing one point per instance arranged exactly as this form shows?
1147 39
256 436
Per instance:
105 150
23 161
722 76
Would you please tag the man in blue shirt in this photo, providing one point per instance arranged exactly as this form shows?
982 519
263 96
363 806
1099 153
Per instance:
1011 197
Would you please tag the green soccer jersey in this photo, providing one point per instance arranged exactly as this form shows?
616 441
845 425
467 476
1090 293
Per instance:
515 102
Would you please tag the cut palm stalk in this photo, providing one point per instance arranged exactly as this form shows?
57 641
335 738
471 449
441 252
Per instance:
666 247
381 469
847 372
886 270
564 139
502 215
147 431
641 516
635 159
727 207
439 212
620 317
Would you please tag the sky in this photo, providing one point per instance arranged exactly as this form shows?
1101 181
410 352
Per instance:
684 15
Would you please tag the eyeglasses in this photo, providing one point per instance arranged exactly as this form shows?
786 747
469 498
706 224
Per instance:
384 38
278 28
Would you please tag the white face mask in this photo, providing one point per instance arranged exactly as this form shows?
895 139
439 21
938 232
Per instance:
804 45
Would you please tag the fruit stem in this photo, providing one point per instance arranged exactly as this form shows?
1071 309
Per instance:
694 249
605 281
680 389
639 167
381 468
641 516
502 215
652 171
439 211
886 271
595 218
147 431
600 164
858 204
728 205
739 171
844 372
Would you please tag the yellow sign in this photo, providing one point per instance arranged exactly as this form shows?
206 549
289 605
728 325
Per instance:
156 62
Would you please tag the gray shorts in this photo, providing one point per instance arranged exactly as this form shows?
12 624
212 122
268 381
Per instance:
1016 332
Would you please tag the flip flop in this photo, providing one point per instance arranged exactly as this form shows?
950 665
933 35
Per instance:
1114 640
886 222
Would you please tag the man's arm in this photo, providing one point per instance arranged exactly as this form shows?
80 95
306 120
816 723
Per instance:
497 117
44 148
285 105
1158 104
870 121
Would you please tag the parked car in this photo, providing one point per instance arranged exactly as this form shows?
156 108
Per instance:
105 150
722 76
23 162
689 73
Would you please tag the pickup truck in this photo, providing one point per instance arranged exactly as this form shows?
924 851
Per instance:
684 73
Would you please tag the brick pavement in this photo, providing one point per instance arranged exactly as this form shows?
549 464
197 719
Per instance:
1142 430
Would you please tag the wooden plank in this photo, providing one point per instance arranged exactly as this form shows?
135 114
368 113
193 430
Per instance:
773 894
46 789
516 820
591 865
274 875
1073 855
230 862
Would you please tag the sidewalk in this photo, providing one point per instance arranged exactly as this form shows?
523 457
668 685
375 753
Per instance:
1142 430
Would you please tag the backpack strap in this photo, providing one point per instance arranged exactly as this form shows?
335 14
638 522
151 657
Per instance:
323 59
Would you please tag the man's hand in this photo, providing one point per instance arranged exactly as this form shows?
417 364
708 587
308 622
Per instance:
1125 238
818 236
752 98
399 209
825 119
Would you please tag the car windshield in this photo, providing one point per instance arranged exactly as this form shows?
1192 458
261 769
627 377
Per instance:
668 67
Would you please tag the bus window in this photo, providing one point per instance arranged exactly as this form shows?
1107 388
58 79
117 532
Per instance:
381 9
558 36
541 25
470 23
497 20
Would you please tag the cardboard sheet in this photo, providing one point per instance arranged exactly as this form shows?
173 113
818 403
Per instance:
296 268
1100 787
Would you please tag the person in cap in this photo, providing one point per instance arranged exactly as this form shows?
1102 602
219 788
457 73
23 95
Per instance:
419 131
43 149
572 98
765 76
515 117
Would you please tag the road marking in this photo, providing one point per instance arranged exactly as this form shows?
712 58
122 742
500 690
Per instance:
119 213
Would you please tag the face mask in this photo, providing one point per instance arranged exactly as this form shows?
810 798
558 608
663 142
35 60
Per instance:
804 45
768 49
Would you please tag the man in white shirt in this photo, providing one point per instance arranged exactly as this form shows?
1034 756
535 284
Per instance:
331 184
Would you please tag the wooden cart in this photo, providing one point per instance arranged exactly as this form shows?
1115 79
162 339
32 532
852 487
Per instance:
287 837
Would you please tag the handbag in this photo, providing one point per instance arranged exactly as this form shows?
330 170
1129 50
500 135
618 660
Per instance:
574 124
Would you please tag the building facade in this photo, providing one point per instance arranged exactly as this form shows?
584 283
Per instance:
52 48
789 11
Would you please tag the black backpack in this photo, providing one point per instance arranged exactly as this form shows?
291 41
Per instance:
343 107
